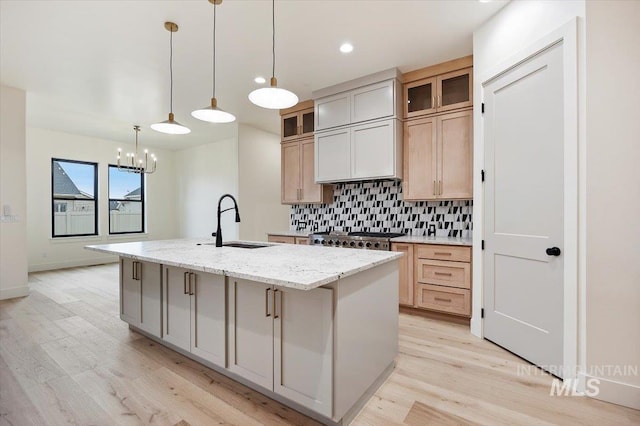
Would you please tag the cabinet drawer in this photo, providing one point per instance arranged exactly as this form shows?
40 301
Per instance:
281 239
304 241
455 253
444 299
451 274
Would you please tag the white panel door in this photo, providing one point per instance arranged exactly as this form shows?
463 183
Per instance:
373 150
129 292
303 348
373 102
251 331
208 326
524 143
333 155
151 293
333 111
177 307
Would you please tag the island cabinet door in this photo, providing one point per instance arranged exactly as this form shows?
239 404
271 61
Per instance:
177 307
303 347
129 291
251 309
151 293
208 327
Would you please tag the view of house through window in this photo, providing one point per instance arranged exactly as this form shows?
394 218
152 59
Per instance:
74 188
126 201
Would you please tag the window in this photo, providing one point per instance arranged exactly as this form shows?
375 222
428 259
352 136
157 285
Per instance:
126 201
74 199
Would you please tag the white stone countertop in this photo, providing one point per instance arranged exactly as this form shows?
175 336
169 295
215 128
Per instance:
422 239
287 265
300 234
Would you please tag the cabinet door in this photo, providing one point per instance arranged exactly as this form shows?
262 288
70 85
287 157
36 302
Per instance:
290 126
455 90
373 102
290 172
420 97
177 307
307 126
311 192
208 327
129 291
456 155
333 155
151 293
333 111
373 150
251 331
420 159
303 348
405 277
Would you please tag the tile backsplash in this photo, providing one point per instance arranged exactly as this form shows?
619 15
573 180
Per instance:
378 206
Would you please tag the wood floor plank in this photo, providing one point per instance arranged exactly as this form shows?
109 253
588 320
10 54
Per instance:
15 406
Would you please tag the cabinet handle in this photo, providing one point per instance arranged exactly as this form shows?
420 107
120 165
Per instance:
434 187
439 103
301 194
184 280
442 300
433 102
133 270
195 282
440 183
442 253
275 312
139 271
448 274
266 303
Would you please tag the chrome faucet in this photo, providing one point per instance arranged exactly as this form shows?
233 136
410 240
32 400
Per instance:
218 233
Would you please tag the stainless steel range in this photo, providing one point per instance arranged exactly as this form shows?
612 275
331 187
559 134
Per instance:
357 240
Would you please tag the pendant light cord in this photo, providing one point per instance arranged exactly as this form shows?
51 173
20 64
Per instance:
171 71
273 39
214 51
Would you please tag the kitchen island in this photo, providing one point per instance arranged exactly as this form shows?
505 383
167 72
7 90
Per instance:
312 327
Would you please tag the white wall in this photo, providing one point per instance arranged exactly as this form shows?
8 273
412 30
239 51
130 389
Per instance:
613 195
13 188
259 184
45 252
203 174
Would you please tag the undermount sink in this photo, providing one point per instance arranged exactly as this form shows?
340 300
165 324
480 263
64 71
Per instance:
239 245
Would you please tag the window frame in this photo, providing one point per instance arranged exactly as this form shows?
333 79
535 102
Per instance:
142 201
54 199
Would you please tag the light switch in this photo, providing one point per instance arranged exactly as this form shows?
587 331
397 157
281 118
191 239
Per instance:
6 209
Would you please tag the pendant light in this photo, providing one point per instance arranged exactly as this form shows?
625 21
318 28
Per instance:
135 164
273 97
171 126
212 113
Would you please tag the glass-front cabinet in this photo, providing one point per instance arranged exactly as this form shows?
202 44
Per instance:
297 124
440 93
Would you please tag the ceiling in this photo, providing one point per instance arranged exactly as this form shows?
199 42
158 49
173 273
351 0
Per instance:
95 68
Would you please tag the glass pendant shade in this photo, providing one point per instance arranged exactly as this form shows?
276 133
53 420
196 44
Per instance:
171 127
273 97
213 114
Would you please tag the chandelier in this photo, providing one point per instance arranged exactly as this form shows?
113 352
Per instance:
135 163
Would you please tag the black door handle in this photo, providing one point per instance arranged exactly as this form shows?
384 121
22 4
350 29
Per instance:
554 251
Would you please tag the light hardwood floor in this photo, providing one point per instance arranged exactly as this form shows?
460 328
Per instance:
66 358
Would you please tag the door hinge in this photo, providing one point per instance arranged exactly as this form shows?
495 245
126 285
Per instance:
482 313
482 244
482 175
483 107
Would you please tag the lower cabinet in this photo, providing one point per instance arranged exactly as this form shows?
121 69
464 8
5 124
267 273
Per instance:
285 239
283 341
140 295
405 273
194 308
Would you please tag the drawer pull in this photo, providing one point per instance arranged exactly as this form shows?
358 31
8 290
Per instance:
442 253
442 300
448 274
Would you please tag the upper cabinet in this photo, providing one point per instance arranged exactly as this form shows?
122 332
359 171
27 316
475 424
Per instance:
440 88
297 121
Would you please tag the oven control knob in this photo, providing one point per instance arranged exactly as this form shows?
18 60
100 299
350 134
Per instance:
376 245
344 243
330 242
352 243
360 244
368 245
324 242
316 241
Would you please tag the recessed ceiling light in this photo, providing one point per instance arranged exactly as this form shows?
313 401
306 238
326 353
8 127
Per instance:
346 48
260 80
484 1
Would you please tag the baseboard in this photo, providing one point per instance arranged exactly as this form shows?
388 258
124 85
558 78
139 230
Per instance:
13 292
72 264
612 391
440 316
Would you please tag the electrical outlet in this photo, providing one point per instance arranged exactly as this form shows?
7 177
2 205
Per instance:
6 209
